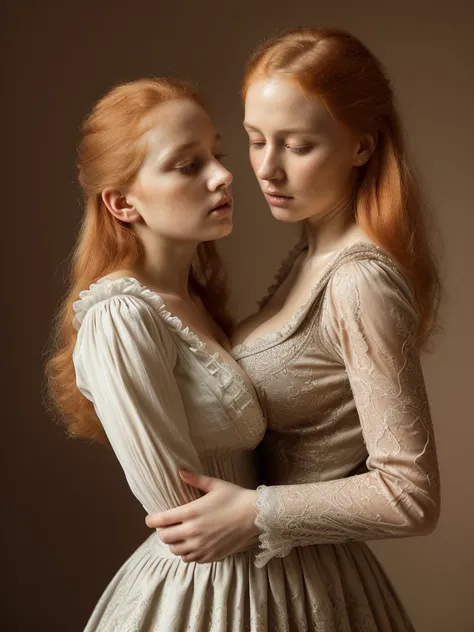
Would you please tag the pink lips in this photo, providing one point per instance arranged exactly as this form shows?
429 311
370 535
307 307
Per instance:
277 200
223 207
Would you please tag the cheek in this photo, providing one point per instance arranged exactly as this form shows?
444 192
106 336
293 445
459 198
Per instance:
149 189
312 172
323 171
255 160
179 194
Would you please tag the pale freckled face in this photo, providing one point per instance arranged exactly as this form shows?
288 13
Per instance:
182 178
297 150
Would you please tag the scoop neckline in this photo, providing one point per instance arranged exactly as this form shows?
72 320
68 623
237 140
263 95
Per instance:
270 339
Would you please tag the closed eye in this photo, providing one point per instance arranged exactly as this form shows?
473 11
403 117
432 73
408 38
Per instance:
300 149
189 168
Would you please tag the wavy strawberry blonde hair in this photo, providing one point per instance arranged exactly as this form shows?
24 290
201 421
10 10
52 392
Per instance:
111 151
335 67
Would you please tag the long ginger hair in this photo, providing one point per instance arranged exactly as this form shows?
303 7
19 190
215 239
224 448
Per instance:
336 68
110 153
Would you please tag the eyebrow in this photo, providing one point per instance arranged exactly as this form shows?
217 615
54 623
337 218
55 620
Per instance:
177 150
295 130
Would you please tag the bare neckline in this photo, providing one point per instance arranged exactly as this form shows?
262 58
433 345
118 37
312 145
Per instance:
270 339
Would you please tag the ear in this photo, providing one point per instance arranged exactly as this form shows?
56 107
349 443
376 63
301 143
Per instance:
119 206
364 149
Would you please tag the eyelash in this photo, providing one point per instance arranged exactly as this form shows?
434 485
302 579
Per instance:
189 169
300 151
193 167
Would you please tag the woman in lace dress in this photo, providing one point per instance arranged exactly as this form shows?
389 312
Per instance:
333 352
145 366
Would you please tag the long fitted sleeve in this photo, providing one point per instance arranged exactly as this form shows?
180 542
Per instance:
124 361
370 323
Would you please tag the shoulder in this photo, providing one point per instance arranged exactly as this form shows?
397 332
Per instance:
124 309
369 274
121 318
370 290
119 298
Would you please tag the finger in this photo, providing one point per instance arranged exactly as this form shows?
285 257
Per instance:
184 548
199 481
171 535
165 518
187 559
192 558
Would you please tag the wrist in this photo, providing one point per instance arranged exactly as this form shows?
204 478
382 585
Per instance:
251 496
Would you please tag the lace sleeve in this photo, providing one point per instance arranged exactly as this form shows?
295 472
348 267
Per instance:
374 324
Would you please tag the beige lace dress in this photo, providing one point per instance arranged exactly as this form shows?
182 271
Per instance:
349 454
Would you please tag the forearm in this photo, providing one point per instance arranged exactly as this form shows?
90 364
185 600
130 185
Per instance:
366 507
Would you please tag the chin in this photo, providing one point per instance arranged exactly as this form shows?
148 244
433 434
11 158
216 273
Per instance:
284 215
218 232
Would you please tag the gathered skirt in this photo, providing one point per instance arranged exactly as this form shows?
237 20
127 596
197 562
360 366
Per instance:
324 588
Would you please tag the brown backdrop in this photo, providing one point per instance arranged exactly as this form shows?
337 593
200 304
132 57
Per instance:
68 518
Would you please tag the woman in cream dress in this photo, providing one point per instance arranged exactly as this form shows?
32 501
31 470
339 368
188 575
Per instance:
333 352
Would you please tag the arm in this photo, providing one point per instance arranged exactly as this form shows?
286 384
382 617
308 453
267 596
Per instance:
124 362
372 326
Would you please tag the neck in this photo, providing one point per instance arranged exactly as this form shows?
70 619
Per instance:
166 264
326 232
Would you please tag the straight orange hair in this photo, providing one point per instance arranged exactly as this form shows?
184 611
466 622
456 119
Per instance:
111 151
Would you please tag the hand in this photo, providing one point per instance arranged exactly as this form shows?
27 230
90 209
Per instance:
212 527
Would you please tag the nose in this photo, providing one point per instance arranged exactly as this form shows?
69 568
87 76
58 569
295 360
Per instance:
269 167
220 177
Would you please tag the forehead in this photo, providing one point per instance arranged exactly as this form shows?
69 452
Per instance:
279 103
178 122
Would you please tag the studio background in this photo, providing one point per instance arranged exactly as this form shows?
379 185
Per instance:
68 518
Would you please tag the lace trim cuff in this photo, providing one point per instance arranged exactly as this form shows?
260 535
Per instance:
272 541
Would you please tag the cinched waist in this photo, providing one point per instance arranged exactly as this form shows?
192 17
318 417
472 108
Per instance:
161 550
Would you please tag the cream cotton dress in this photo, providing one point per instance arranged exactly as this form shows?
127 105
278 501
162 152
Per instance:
349 452
167 400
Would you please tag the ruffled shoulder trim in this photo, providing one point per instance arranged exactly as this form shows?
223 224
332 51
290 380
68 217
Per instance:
237 395
128 286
